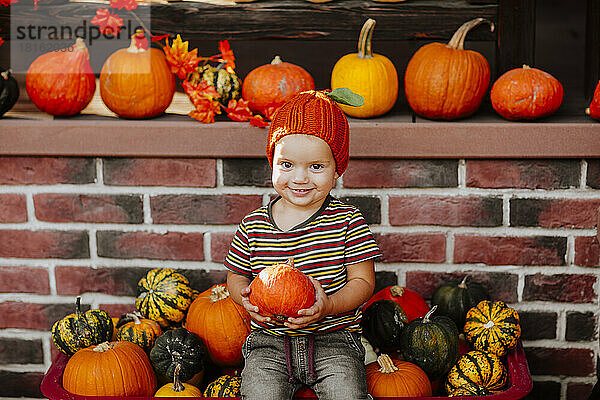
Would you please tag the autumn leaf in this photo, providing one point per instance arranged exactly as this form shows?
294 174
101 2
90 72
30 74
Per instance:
7 3
1 40
109 23
158 38
126 4
227 56
140 40
181 60
204 112
204 98
237 110
258 121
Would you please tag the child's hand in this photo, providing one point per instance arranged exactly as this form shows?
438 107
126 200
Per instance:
252 309
316 312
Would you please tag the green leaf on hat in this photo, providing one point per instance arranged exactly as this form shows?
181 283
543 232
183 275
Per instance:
346 96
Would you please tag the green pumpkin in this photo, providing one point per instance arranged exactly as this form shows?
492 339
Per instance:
164 296
382 324
455 298
178 346
9 91
224 386
431 342
226 83
80 330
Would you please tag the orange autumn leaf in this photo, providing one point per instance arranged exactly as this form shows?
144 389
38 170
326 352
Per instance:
181 60
204 98
258 121
126 4
238 110
227 56
140 40
109 23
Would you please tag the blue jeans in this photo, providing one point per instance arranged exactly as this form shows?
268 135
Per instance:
338 366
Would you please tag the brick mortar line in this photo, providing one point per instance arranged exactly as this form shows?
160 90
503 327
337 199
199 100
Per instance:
583 174
220 189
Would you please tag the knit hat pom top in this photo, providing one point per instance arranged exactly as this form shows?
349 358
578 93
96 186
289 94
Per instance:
312 113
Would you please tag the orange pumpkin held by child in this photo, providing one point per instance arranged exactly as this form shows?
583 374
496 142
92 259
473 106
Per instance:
281 291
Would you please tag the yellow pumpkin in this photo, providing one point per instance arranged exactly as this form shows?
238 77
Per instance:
178 389
373 76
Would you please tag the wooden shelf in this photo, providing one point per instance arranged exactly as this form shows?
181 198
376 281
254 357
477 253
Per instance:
391 136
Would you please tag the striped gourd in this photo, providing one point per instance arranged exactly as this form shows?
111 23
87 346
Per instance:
80 330
469 390
224 386
477 368
227 84
164 296
141 331
493 327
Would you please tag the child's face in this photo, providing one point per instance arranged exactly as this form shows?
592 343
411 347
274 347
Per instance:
303 170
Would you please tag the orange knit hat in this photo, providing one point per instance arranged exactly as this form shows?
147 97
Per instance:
312 113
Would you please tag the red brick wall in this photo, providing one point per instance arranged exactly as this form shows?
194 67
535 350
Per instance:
525 229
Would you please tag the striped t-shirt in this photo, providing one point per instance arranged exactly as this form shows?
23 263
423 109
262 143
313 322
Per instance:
322 246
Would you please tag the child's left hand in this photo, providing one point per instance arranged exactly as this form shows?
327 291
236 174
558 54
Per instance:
316 312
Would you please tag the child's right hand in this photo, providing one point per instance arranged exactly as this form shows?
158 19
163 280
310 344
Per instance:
252 309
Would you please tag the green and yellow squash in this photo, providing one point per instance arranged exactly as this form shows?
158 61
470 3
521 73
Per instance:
224 386
493 327
477 368
227 84
164 296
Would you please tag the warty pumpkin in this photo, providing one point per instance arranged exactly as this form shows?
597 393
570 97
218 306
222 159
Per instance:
164 295
396 378
227 84
431 343
137 82
281 290
445 81
411 302
224 386
119 369
178 347
382 324
81 329
268 86
141 331
455 298
177 388
371 75
526 93
477 368
221 323
493 327
9 91
62 83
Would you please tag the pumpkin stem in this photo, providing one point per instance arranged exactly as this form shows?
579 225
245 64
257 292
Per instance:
587 110
79 320
137 45
429 313
397 290
525 66
103 347
290 261
276 61
458 39
463 283
386 364
217 293
177 385
364 39
135 317
80 44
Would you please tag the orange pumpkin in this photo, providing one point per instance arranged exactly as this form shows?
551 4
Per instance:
281 290
396 378
139 330
526 93
594 109
137 82
267 87
445 81
110 369
373 76
62 82
221 323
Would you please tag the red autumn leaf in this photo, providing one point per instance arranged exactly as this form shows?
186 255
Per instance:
181 60
258 121
227 55
237 110
1 40
126 4
7 3
139 40
269 111
158 38
204 112
109 23
200 91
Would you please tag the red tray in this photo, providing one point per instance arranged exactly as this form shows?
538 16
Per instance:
519 380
